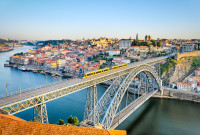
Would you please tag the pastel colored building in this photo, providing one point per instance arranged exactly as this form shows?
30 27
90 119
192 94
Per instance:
61 62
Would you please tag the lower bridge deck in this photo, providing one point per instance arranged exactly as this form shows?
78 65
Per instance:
123 114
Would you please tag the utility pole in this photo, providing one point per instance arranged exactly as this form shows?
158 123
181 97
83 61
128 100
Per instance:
46 79
20 92
6 89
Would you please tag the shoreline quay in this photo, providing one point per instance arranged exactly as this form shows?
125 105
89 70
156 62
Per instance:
173 98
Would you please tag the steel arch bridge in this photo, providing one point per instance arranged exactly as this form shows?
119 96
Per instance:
102 113
105 112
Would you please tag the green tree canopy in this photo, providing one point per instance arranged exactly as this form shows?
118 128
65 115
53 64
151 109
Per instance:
165 67
195 61
61 122
153 42
158 43
19 54
73 120
144 43
136 43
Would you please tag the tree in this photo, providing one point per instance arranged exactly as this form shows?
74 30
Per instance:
110 59
195 61
158 43
106 54
70 120
19 54
61 122
144 43
102 66
133 43
73 120
136 43
153 42
123 50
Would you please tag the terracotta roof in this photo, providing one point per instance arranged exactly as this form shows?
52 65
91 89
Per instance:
183 83
197 77
191 82
11 125
144 47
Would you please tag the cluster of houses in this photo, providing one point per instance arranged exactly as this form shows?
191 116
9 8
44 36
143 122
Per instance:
192 82
78 56
69 58
166 45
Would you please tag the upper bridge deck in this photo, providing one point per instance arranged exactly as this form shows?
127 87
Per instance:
66 87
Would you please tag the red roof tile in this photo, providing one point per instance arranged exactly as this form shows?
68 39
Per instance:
11 125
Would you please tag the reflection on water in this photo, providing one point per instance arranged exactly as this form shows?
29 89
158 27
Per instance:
164 116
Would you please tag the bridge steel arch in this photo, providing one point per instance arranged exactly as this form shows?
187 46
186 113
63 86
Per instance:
110 101
37 97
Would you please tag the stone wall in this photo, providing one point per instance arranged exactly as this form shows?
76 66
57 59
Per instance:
182 95
194 53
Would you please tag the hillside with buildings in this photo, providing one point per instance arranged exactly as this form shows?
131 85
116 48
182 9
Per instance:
74 58
182 72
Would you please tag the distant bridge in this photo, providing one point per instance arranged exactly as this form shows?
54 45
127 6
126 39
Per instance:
104 111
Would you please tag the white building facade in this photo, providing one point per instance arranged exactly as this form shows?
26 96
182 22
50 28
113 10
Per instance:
183 86
187 47
125 43
112 52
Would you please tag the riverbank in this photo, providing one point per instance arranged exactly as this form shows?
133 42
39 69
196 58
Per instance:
42 70
168 97
179 95
5 49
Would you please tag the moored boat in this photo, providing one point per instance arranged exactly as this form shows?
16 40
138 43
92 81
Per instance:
7 65
22 68
35 71
15 66
42 72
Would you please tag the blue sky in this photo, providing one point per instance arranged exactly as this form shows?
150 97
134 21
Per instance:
77 19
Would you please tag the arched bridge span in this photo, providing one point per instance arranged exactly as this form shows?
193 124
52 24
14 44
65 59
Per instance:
106 110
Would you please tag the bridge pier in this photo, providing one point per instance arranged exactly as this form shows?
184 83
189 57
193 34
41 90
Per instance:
90 106
40 113
161 89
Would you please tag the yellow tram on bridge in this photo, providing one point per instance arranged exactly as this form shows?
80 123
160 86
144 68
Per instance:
103 70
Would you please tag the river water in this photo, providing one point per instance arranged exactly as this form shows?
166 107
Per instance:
155 117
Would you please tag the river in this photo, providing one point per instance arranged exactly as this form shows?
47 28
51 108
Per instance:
155 117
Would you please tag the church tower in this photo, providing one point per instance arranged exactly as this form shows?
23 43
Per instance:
137 36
